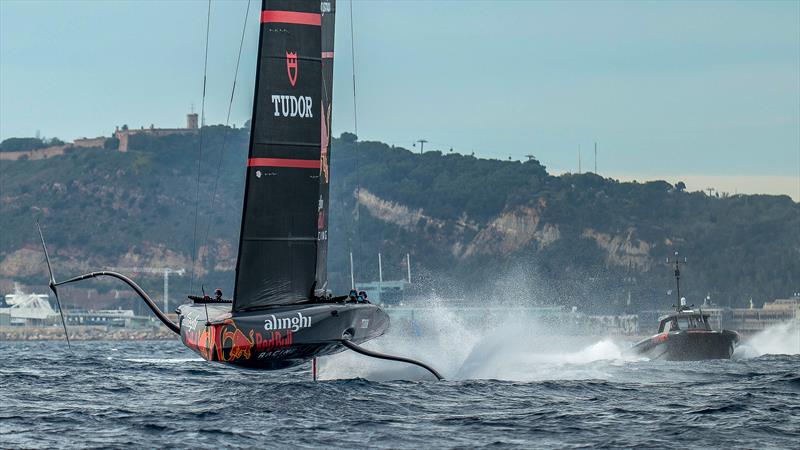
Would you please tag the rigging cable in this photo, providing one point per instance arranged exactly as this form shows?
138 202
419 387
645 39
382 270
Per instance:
200 153
227 129
353 64
355 145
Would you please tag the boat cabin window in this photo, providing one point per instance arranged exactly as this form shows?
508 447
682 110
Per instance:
702 323
668 325
691 323
683 323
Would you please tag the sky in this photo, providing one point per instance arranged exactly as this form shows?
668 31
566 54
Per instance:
707 92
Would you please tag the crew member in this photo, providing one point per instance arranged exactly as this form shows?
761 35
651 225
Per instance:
353 297
218 294
362 297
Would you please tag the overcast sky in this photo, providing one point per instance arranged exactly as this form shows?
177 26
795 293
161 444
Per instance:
704 91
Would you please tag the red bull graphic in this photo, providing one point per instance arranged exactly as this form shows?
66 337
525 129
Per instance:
201 341
233 344
325 143
205 342
227 342
275 341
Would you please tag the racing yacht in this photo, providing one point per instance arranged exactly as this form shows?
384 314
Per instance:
282 313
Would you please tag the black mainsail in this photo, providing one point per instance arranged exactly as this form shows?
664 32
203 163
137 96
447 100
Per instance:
283 218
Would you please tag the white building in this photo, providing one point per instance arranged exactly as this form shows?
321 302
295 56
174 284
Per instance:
27 309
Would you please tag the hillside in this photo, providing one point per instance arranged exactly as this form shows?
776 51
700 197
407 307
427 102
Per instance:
472 226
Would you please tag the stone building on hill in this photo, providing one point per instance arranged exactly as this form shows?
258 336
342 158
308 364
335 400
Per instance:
124 134
99 141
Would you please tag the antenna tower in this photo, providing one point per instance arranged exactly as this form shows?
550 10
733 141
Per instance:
677 262
422 143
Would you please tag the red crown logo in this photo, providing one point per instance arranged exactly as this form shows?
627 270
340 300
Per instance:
291 67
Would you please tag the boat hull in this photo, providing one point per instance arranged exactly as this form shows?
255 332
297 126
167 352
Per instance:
279 337
688 345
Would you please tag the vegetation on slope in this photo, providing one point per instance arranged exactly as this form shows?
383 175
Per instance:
478 225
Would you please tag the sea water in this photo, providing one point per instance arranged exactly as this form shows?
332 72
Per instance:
510 383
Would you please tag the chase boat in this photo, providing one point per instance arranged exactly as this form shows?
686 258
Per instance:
686 335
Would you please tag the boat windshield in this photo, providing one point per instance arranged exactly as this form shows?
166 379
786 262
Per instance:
691 323
683 323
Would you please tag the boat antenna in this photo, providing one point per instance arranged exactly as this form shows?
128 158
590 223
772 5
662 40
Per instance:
52 284
677 263
200 153
225 135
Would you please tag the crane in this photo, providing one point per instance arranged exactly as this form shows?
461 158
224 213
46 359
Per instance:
163 270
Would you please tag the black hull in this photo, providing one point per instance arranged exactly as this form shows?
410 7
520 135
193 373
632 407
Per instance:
691 345
280 337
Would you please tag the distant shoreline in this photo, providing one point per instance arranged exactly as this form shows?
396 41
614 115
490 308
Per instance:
84 333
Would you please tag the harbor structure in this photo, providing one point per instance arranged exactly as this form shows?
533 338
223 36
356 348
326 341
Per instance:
27 309
23 310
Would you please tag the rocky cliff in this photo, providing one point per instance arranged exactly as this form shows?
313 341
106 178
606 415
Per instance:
467 223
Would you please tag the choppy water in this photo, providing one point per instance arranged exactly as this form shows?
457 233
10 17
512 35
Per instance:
521 391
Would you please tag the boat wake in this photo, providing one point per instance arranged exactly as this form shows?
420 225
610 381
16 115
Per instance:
502 347
512 347
163 360
780 339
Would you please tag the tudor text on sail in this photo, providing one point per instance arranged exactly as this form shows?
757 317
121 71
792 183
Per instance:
292 106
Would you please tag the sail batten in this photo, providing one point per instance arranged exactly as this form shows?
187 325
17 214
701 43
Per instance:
278 261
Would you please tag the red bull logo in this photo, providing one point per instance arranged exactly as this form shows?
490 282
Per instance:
227 342
275 341
233 343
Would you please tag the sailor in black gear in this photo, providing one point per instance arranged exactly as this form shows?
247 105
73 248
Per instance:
218 294
362 297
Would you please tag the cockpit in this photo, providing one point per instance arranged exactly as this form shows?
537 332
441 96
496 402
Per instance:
684 322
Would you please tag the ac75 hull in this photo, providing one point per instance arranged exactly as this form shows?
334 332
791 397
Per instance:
279 337
688 345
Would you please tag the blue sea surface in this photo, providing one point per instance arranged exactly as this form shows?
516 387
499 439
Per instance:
160 394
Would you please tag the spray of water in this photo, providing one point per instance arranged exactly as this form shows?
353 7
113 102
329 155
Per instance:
480 343
780 339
